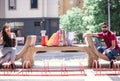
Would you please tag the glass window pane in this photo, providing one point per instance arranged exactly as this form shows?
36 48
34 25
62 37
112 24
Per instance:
37 23
12 4
34 3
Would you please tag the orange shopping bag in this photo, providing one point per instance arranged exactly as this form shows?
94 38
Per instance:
49 42
56 39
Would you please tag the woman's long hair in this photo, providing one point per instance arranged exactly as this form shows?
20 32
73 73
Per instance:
6 38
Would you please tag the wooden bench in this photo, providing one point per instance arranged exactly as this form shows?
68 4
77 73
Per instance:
30 49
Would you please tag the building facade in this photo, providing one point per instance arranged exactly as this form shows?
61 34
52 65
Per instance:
29 17
65 5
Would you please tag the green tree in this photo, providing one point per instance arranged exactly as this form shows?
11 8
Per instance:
115 16
72 20
94 15
96 12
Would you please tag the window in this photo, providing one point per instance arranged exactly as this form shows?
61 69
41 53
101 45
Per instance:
34 3
37 23
53 23
58 3
17 28
12 4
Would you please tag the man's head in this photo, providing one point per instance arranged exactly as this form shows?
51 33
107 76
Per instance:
104 27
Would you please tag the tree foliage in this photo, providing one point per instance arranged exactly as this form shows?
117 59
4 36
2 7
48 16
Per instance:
115 16
72 20
96 12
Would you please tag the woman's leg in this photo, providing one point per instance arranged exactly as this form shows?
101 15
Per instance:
13 55
12 58
6 55
5 59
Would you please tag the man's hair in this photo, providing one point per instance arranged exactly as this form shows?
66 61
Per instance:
104 24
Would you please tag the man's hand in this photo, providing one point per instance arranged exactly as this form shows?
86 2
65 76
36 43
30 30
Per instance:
106 51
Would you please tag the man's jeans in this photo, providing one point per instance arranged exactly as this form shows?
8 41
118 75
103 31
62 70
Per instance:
111 54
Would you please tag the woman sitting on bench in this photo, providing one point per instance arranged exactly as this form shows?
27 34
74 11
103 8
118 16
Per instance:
8 39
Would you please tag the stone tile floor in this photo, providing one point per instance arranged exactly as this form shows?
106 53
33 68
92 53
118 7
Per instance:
57 58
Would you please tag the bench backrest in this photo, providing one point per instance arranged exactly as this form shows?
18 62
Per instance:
30 41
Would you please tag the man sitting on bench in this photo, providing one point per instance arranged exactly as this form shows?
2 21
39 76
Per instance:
111 51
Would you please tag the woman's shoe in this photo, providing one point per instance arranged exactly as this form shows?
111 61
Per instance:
12 66
0 66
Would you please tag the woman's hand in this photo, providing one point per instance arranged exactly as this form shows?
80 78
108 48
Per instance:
1 38
0 34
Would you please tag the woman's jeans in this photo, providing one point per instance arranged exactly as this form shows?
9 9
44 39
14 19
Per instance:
8 53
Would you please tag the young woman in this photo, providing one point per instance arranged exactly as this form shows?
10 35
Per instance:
8 39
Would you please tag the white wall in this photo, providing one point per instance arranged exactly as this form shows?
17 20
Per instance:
46 8
23 10
2 8
51 8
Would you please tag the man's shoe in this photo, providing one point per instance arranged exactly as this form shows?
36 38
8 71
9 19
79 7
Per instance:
111 64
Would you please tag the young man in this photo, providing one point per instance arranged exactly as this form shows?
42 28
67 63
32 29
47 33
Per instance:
111 51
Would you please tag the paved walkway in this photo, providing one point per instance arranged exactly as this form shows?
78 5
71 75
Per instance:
56 58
